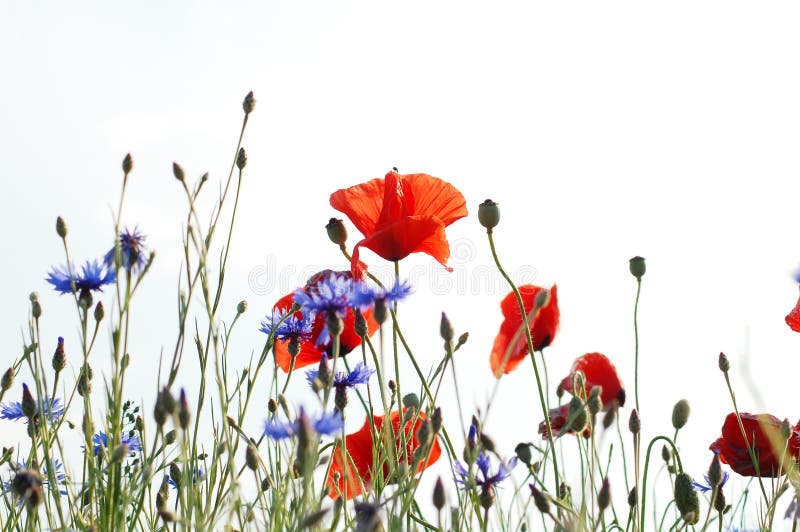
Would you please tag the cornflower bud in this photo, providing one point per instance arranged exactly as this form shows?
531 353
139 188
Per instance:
633 498
637 267
785 429
272 405
715 472
379 311
486 496
360 324
489 214
28 402
183 411
436 419
446 329
411 401
177 171
59 357
175 474
486 442
251 457
462 340
170 437
439 499
337 232
99 312
127 164
719 501
541 500
680 414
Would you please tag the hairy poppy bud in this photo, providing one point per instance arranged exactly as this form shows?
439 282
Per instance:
36 309
251 457
666 455
489 214
337 232
127 164
272 405
85 381
7 380
523 452
99 312
177 171
165 406
724 365
637 267
686 499
339 397
334 323
59 357
241 308
680 414
411 401
249 103
577 417
61 227
541 500
715 472
170 437
360 324
379 311
266 482
28 402
424 435
594 403
439 499
446 329
241 159
604 496
634 423
719 501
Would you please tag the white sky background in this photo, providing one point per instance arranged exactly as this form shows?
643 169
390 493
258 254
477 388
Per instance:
604 132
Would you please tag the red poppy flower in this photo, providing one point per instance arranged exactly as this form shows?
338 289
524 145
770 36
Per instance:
763 435
310 351
362 458
598 370
793 318
401 214
558 419
510 345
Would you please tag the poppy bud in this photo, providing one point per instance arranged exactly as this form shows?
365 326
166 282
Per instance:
88 427
680 414
99 312
379 311
542 299
540 499
36 309
392 386
85 381
488 214
637 267
249 103
609 417
724 365
715 472
446 329
665 454
139 424
436 419
559 391
251 457
28 402
165 406
577 417
127 164
719 501
439 499
170 437
7 380
337 232
633 498
61 227
241 159
334 323
59 357
177 171
462 340
604 496
424 435
183 411
241 308
323 372
523 452
634 423
411 401
487 442
360 324
686 499
294 346
594 403
785 429
486 497
272 405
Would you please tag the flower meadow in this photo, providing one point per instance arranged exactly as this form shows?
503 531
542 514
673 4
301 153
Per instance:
192 461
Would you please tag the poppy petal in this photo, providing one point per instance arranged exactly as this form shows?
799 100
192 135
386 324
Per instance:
361 203
598 371
433 197
793 318
424 234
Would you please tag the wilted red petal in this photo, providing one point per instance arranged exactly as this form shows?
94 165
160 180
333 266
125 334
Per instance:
511 337
558 419
598 371
763 434
793 318
358 468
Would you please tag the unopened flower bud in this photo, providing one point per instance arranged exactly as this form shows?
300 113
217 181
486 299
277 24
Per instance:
177 171
266 483
446 329
99 312
436 419
604 496
785 429
241 159
249 103
637 267
487 442
183 411
85 381
577 416
541 500
523 452
379 311
175 474
593 402
634 423
165 406
170 437
337 232
241 308
686 499
462 340
28 402
719 501
424 434
334 323
715 472
680 414
564 490
360 324
119 453
439 499
7 380
251 457
489 214
272 405
59 357
127 164
724 365
88 427
61 227
609 417
411 400
666 455
633 498
36 309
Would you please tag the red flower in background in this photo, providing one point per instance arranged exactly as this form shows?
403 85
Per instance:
362 456
763 434
598 370
310 351
793 318
510 344
401 214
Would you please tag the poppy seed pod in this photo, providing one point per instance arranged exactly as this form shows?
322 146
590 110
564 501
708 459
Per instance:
127 164
686 499
61 227
680 414
489 214
411 400
249 103
337 232
637 267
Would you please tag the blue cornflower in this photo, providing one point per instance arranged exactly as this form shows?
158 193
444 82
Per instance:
133 255
12 410
100 440
326 423
365 296
198 475
61 476
331 293
482 477
793 511
93 276
707 486
292 328
359 375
